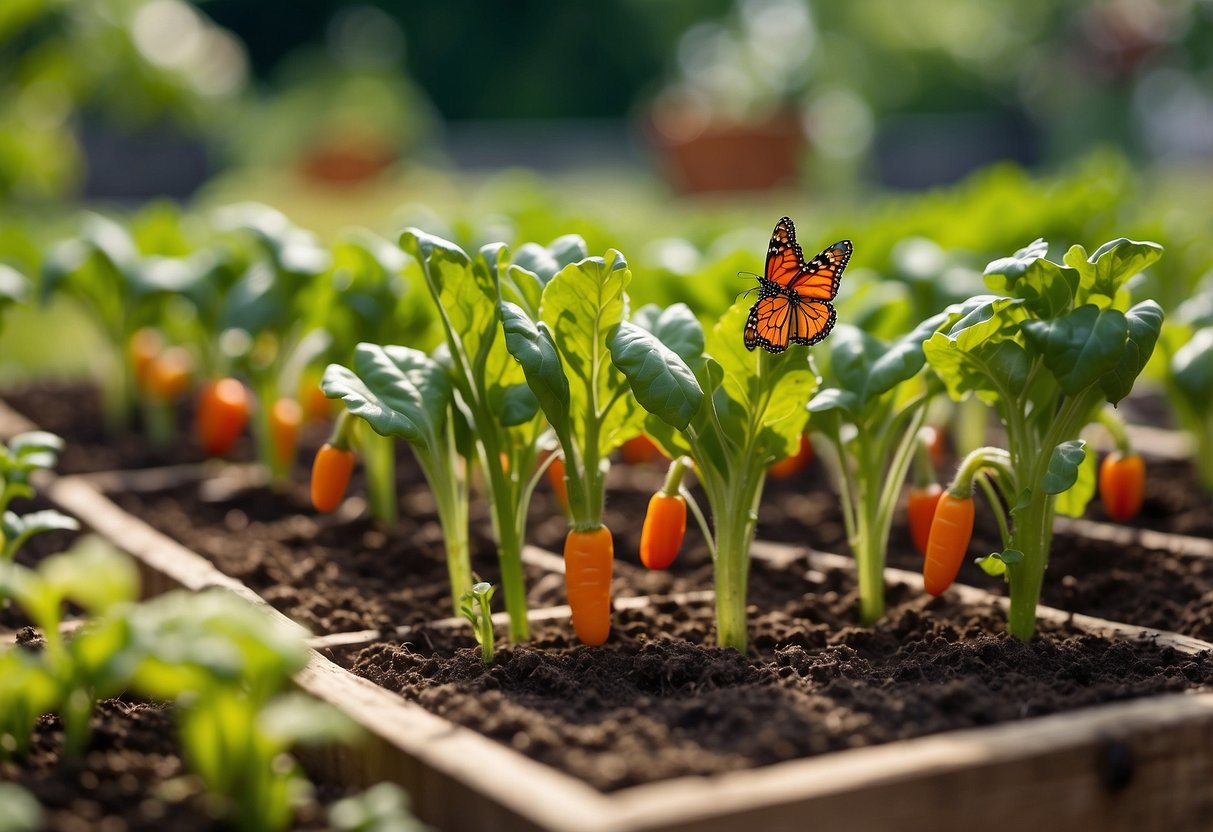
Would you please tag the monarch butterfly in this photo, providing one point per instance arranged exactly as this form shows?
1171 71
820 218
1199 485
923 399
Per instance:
794 296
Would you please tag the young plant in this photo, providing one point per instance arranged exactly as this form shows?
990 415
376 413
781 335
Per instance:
476 607
268 324
1046 353
595 375
752 414
870 408
490 390
402 393
19 458
122 290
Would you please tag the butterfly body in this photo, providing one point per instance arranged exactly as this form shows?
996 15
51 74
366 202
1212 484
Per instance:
793 305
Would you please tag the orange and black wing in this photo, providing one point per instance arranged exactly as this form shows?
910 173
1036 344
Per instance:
811 321
770 323
818 279
785 260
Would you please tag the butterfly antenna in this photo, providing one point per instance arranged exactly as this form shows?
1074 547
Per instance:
748 274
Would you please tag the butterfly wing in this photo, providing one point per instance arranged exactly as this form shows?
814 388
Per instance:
810 321
784 257
818 279
770 323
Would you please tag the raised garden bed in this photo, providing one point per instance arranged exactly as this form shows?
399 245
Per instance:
808 660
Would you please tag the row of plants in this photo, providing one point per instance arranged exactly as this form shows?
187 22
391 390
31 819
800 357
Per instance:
222 664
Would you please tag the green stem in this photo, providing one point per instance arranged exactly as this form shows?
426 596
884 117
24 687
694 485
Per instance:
1032 535
1116 428
159 421
379 453
451 497
1000 515
507 524
735 522
267 393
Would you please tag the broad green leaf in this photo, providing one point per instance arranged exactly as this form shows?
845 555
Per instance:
398 391
522 288
1063 466
581 306
516 405
93 574
993 370
292 718
832 398
1045 287
1081 346
26 525
532 346
660 380
545 262
1113 263
903 358
852 354
1073 501
675 326
1145 323
1192 369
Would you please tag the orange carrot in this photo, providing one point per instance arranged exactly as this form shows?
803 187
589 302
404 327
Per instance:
1122 483
951 531
285 418
663 530
588 558
794 464
640 449
146 343
223 411
559 487
167 375
330 476
921 511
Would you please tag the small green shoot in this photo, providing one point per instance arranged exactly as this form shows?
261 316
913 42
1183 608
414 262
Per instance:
476 607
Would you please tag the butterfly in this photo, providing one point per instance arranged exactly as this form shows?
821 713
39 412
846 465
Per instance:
794 296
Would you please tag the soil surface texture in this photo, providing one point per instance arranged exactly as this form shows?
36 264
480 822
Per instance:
131 777
660 701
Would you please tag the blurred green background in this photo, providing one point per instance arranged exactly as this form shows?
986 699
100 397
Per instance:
937 135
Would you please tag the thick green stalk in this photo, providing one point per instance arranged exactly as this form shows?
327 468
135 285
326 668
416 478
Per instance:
1032 534
503 504
868 545
451 496
263 432
379 453
735 521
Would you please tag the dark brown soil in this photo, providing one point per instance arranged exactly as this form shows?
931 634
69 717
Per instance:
1174 502
131 777
72 409
1147 406
330 574
658 701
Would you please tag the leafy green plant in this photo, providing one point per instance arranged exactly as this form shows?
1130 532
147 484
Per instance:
400 392
1187 372
476 607
383 807
1046 352
752 414
595 375
870 407
502 414
19 458
122 290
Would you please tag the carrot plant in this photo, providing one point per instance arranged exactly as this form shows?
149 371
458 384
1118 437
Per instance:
1055 344
595 375
752 414
489 388
870 408
103 271
402 393
266 332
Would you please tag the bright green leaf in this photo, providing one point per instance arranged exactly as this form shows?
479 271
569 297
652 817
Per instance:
660 380
1063 466
1081 346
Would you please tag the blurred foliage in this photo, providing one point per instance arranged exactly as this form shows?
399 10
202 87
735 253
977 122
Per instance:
131 63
